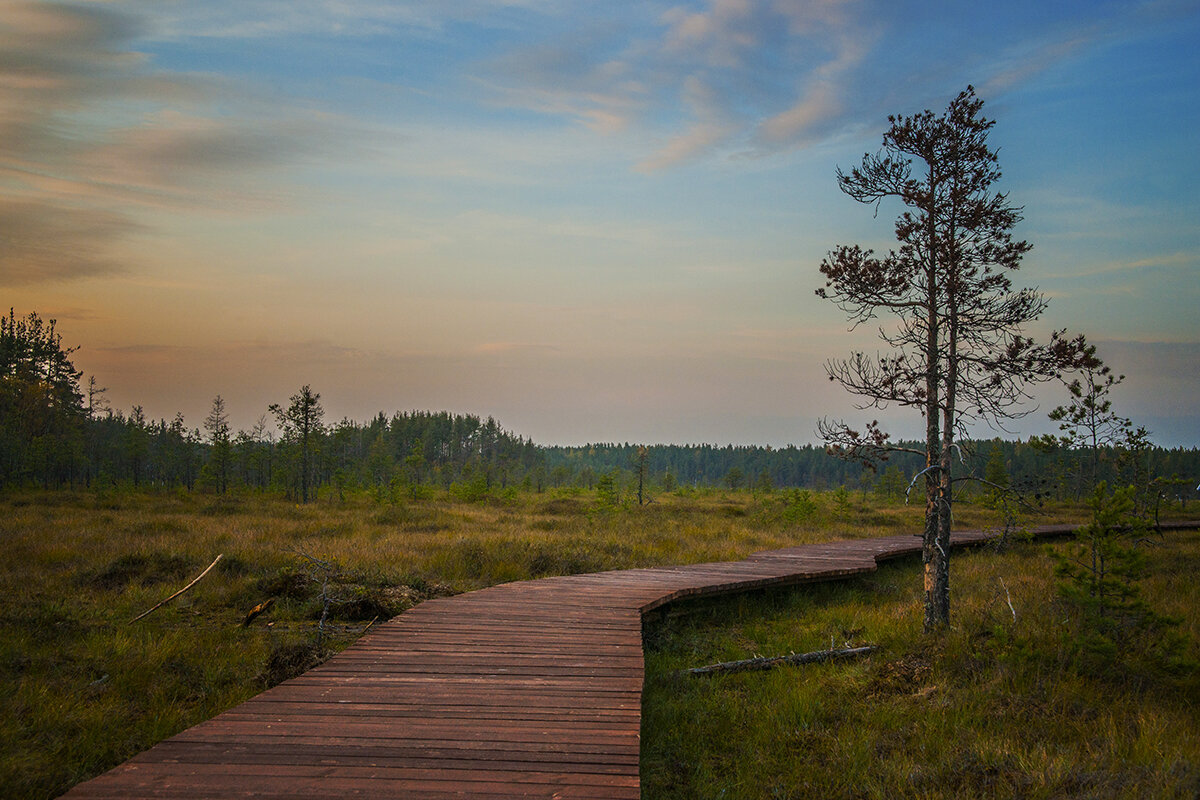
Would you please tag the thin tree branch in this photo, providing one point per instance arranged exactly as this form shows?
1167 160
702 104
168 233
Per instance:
195 580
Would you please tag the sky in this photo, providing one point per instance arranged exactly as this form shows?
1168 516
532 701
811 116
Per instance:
593 221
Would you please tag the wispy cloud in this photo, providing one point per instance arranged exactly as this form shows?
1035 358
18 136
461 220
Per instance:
1026 59
1041 50
91 135
711 125
236 19
44 242
316 351
728 76
587 76
821 105
516 348
1179 260
190 160
735 77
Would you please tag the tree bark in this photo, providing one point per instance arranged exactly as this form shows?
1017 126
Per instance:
934 562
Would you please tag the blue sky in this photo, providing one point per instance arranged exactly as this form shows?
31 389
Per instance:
592 221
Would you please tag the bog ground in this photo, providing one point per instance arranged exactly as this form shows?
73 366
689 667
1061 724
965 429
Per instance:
92 689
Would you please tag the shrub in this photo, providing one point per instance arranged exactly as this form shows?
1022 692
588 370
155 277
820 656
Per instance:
474 490
799 506
607 495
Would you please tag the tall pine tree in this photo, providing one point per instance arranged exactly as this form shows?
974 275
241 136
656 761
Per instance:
957 353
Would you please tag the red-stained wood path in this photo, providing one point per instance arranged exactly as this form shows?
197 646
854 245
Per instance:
529 689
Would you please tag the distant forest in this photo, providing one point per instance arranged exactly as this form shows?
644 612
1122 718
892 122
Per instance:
55 432
439 449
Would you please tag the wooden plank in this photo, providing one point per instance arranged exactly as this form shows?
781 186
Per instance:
481 695
587 711
172 751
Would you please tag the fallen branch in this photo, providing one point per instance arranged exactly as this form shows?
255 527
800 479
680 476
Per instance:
258 609
775 661
181 591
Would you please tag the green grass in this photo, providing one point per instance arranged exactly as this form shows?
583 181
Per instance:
87 689
998 707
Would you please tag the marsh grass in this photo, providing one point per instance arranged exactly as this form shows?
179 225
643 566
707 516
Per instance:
996 708
86 689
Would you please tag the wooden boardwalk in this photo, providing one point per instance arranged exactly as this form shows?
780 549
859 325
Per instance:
528 689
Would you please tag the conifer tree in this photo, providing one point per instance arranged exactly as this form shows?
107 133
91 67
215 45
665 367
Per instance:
1087 420
221 449
957 353
41 407
302 428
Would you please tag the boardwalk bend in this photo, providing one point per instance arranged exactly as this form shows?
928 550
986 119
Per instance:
529 689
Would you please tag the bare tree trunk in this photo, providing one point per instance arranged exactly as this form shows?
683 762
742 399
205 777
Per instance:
937 602
937 609
931 560
934 562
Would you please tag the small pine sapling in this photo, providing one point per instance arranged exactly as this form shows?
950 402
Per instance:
1099 577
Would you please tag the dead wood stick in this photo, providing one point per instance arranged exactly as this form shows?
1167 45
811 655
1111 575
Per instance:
775 661
261 608
181 591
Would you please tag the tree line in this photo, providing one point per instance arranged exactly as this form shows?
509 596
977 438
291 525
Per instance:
298 456
1042 467
56 431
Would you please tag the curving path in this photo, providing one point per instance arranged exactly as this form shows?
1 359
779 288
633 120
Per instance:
529 689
